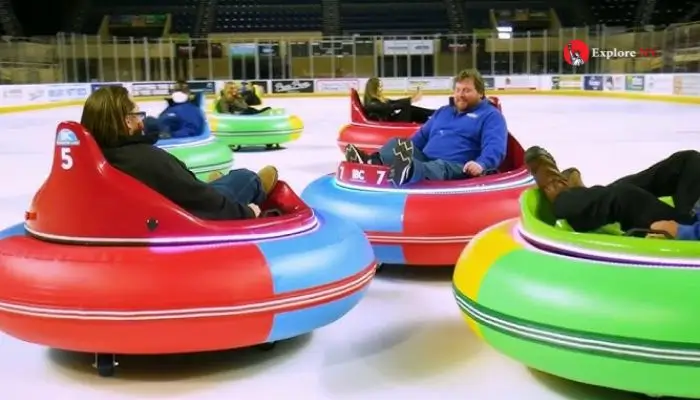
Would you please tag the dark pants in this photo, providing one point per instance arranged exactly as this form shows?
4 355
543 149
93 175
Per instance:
409 113
423 167
240 185
633 200
252 111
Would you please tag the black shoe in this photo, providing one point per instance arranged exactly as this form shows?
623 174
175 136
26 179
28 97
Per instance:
400 171
355 155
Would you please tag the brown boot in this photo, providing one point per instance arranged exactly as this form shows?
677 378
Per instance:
573 176
544 169
268 177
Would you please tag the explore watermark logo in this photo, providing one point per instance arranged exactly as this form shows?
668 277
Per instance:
577 53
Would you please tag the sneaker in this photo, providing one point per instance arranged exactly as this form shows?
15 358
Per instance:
355 155
400 171
268 178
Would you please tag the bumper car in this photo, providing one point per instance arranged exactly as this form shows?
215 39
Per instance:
104 265
269 128
424 224
203 154
601 308
370 135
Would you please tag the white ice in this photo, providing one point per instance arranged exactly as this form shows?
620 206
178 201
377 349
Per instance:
406 339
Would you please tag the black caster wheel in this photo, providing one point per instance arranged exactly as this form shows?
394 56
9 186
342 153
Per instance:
267 346
269 146
235 148
105 364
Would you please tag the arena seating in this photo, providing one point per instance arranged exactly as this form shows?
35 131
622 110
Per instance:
614 12
477 18
670 12
415 16
268 16
184 12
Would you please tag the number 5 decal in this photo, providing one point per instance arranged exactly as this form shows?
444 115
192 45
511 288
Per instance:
66 158
380 176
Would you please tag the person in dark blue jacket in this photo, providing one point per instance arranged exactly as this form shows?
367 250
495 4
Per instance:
467 139
183 117
632 201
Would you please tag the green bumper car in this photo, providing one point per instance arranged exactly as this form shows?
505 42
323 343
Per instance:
270 128
603 308
203 154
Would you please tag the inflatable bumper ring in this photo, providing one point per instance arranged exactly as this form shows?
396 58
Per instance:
133 265
368 135
270 128
424 224
598 308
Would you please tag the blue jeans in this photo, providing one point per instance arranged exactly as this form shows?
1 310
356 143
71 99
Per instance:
423 167
241 186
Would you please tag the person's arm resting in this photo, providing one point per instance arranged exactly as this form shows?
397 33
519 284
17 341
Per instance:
494 142
689 232
197 197
420 138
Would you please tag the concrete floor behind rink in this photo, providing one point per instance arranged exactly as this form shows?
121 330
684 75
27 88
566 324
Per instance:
406 339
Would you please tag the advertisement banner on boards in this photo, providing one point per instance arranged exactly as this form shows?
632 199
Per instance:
515 82
686 85
146 89
567 82
208 87
336 85
593 82
264 85
659 84
67 92
95 86
293 86
12 95
614 83
395 84
634 83
489 83
429 84
408 47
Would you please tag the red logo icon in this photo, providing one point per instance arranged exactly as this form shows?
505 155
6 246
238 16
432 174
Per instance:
576 53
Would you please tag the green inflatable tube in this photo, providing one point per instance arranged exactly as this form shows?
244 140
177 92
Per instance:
597 308
270 128
203 156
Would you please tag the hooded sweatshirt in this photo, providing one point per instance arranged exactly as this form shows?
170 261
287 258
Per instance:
478 134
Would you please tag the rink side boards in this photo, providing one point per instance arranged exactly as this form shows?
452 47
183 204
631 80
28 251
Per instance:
676 88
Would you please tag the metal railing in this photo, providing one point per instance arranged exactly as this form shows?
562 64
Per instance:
86 58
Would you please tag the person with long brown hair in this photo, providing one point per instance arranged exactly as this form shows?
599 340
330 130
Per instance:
116 123
232 101
379 108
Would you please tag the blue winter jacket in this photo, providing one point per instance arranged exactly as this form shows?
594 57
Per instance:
478 134
182 119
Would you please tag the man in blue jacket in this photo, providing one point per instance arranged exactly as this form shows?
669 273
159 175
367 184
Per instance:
183 117
632 201
460 141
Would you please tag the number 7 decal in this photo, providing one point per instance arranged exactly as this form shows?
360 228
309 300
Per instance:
380 176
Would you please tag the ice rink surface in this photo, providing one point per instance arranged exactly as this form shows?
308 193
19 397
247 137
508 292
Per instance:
406 339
